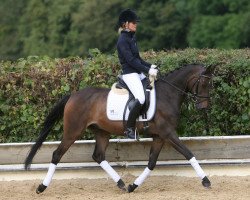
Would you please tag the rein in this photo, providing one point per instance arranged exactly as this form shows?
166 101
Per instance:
196 83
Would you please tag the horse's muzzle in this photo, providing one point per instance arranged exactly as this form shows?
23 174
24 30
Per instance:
202 105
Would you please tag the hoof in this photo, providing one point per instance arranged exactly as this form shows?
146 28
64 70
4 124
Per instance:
40 188
131 188
121 185
206 183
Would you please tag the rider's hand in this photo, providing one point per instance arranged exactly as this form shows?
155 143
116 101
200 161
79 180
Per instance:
153 72
153 66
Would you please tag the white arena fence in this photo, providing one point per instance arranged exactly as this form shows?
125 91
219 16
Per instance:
123 152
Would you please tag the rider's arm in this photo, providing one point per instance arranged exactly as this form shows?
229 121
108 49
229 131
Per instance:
124 49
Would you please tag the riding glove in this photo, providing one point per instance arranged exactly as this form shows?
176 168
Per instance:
153 66
153 72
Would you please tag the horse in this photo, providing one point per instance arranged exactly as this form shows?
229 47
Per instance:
87 109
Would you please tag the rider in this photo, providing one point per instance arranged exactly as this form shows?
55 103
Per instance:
133 66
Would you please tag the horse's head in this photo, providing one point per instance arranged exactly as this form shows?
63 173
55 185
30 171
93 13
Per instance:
199 85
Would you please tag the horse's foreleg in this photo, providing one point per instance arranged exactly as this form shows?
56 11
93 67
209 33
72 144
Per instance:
102 141
180 147
153 156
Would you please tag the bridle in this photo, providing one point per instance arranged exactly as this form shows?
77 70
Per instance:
195 95
196 90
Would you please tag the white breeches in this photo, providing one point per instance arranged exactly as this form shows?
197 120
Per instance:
134 84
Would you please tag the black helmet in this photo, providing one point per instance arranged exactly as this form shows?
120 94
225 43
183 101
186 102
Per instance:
127 16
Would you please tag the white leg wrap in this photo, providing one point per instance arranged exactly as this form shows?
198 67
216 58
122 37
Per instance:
143 176
51 171
197 167
111 172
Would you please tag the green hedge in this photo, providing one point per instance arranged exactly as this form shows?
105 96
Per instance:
30 87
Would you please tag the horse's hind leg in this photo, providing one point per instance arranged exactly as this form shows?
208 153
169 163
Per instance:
180 147
102 141
72 131
57 155
153 156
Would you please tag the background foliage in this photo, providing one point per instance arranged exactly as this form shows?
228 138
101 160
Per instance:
59 28
30 87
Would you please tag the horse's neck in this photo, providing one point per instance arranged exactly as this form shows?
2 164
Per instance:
180 77
178 80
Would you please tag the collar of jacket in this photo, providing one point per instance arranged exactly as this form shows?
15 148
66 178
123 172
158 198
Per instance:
128 33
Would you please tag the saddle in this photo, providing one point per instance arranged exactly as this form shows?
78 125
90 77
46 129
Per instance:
119 98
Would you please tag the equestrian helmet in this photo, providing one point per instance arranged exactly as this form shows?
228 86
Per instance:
127 15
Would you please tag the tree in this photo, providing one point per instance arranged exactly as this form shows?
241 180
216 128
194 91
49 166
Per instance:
162 26
59 22
219 24
93 26
61 28
10 44
33 28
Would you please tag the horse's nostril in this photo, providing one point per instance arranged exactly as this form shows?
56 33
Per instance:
202 105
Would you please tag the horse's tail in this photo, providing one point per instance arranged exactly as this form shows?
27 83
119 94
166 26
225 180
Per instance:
54 116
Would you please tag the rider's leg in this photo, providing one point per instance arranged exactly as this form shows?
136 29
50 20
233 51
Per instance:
134 84
142 76
133 115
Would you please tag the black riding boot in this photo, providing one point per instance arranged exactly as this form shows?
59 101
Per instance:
133 115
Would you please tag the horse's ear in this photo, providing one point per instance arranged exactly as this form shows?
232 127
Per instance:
210 69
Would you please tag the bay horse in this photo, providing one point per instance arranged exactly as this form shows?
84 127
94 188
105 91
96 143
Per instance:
87 109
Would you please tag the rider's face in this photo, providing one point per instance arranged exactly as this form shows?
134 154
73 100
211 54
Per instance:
132 26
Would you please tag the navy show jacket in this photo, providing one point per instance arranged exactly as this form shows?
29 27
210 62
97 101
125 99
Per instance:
129 56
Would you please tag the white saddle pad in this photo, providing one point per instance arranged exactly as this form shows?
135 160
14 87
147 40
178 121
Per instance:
117 99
